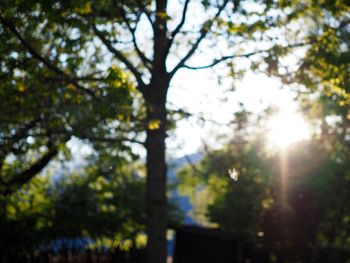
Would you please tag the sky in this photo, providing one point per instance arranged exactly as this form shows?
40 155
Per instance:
199 93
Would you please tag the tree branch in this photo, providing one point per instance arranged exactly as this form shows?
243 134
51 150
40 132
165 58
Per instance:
203 33
92 138
246 55
22 132
111 140
178 27
6 146
82 78
25 176
225 58
120 56
146 12
39 57
194 167
146 61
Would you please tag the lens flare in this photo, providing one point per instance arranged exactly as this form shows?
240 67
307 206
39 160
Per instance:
285 129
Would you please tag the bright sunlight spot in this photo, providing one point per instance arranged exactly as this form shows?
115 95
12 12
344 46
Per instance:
287 128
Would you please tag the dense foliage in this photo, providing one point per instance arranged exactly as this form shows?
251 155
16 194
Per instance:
102 205
52 88
89 69
291 202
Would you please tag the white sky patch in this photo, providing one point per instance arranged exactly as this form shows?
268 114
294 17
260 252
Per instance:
197 93
78 148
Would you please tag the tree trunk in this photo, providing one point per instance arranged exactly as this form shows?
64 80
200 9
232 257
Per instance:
155 97
156 170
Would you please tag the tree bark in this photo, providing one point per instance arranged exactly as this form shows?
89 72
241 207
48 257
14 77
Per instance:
156 199
155 95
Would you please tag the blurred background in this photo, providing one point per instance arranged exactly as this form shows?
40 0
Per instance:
246 104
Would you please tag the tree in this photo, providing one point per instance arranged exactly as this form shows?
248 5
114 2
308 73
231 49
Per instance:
23 224
111 31
101 203
304 221
43 102
323 69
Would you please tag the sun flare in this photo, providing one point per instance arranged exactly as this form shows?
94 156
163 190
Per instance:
285 129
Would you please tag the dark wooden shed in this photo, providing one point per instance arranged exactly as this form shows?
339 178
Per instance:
207 245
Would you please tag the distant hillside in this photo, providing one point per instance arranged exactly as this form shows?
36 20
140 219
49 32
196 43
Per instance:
183 201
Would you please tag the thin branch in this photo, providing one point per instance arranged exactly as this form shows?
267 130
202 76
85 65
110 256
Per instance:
92 138
146 12
39 57
224 58
217 161
246 55
178 27
111 140
119 55
194 167
203 33
6 145
82 78
25 176
198 117
146 61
